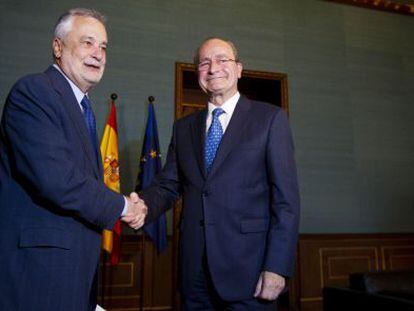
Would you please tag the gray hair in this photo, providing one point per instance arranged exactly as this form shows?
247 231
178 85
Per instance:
64 23
231 44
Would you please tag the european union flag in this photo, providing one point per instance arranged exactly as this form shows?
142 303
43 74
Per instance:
150 165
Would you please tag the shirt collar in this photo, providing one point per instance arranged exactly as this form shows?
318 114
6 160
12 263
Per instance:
228 106
78 93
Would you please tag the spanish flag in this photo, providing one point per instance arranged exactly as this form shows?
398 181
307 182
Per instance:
109 151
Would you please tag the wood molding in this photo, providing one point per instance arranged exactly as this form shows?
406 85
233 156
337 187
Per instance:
382 5
121 283
190 98
323 259
328 259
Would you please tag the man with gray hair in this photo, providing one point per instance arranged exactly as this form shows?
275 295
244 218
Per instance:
54 204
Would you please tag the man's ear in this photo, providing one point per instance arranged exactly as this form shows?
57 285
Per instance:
239 69
57 47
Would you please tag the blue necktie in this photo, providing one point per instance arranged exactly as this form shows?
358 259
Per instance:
214 135
90 121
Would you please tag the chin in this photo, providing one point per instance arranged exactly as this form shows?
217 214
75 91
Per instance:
93 79
216 90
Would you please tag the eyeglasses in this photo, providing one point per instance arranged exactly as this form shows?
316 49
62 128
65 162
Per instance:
205 64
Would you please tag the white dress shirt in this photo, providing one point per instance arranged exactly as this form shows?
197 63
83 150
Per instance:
228 107
78 93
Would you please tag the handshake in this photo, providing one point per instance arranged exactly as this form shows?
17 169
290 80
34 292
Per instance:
136 211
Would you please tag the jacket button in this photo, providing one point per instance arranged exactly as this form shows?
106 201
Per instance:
206 193
201 223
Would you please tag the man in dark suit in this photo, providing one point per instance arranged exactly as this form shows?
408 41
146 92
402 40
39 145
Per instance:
233 164
53 202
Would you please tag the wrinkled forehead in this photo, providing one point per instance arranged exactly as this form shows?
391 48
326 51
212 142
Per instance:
88 28
215 49
87 23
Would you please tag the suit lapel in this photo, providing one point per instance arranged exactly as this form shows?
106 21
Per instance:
233 132
72 108
198 138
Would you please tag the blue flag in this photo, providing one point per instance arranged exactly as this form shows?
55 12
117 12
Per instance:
150 165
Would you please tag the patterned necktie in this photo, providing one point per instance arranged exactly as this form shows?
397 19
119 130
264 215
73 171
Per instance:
214 135
90 121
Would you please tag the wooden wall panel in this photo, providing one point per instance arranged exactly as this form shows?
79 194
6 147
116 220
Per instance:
399 7
401 257
323 260
121 284
338 262
328 259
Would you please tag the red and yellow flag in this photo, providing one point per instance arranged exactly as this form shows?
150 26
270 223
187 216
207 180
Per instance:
109 150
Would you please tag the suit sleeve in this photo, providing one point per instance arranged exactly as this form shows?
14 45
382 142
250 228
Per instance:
166 188
41 160
285 202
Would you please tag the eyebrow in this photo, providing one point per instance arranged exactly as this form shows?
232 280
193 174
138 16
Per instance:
218 56
93 39
88 37
222 55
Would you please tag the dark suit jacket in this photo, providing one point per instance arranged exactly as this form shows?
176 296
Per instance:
245 213
53 202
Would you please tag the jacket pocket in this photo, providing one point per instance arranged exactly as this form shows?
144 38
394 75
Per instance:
254 225
45 237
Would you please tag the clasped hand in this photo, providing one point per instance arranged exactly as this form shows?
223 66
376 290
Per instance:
136 211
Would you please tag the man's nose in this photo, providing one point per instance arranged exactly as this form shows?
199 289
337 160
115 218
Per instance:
214 66
98 53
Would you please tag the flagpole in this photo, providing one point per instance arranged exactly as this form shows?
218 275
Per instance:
142 259
150 165
143 246
114 96
103 278
105 256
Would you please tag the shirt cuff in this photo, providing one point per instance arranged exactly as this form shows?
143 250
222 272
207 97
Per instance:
125 210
